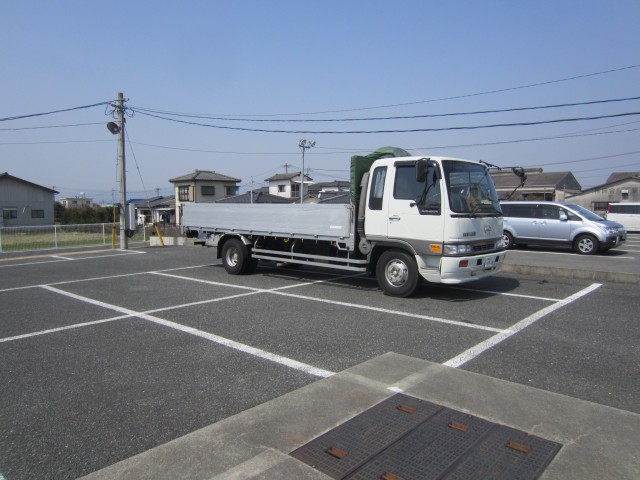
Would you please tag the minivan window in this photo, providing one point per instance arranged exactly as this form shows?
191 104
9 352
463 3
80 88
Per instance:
521 211
551 212
586 213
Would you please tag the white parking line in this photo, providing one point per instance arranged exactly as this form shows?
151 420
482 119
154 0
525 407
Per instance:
278 291
256 352
473 352
59 259
501 334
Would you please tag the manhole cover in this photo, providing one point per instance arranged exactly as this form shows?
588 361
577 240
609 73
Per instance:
404 438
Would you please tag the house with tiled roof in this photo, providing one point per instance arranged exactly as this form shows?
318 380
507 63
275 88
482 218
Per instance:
287 184
202 186
552 186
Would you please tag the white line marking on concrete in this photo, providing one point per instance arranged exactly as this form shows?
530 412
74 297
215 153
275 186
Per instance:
62 258
473 352
288 362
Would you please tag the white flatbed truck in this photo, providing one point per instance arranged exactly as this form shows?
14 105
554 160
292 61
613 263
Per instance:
409 218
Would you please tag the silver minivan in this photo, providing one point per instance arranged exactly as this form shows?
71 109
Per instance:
559 224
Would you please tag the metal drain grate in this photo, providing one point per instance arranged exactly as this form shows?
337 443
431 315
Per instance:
365 435
405 438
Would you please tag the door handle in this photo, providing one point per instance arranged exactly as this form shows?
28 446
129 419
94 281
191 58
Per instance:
394 218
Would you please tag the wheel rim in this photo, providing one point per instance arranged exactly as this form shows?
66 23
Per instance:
585 245
232 257
396 273
505 241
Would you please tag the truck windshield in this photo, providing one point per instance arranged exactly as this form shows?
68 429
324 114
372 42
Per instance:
470 189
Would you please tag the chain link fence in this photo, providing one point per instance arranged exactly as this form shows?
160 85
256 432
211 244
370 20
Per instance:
15 239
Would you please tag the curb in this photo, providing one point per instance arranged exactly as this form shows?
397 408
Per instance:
615 277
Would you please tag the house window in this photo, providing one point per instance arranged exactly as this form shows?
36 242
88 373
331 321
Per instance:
37 213
280 188
229 191
9 213
295 190
208 190
183 193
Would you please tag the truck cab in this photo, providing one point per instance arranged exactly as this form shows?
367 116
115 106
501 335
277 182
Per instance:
443 212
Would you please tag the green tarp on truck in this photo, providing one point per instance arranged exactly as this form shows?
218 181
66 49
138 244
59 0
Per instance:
361 164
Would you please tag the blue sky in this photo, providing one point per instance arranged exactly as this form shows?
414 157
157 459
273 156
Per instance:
305 60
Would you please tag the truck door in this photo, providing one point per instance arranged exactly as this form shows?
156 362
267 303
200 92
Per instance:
375 223
414 209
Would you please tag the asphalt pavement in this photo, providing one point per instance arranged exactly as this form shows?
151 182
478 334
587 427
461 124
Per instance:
596 441
255 438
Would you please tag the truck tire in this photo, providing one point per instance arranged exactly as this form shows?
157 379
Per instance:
586 245
397 273
235 257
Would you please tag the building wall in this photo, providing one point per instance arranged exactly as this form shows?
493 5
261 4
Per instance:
24 205
76 202
596 199
196 193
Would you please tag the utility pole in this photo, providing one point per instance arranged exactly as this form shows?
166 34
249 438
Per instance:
118 129
304 145
122 176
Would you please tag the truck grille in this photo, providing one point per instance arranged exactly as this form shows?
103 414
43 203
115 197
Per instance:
484 247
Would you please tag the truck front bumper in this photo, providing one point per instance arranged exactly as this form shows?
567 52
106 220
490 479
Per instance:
460 269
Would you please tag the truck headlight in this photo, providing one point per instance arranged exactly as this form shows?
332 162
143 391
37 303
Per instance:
453 249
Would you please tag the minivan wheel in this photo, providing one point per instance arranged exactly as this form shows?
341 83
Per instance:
507 240
586 245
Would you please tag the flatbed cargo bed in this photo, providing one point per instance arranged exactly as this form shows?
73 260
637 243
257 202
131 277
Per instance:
307 221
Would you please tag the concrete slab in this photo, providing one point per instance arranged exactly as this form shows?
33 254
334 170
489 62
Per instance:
598 441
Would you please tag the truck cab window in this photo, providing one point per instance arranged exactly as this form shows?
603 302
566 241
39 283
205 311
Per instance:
406 187
377 188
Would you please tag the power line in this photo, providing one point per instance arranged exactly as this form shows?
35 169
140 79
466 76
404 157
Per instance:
590 159
54 142
406 117
17 117
520 87
414 130
52 126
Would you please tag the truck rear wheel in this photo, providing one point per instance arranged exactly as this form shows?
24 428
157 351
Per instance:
235 257
397 273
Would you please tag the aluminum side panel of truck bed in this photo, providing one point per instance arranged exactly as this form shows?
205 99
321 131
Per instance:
320 221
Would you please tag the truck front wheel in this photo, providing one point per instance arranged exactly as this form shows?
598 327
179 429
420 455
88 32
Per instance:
235 257
397 273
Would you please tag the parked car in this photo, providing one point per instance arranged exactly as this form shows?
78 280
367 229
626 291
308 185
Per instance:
626 214
559 224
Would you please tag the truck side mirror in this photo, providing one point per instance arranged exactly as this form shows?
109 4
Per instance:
421 170
422 166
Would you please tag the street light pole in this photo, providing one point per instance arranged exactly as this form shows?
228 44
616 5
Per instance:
304 145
